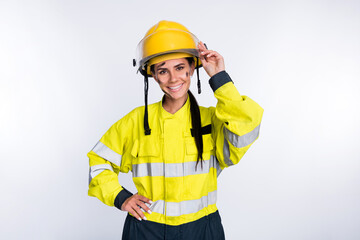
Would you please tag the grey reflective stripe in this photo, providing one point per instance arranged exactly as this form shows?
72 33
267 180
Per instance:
174 209
218 168
215 164
174 169
237 141
226 151
105 152
97 169
148 169
244 140
158 206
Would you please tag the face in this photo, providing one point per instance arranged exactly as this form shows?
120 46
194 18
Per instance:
173 77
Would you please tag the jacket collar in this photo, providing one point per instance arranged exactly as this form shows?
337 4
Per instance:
182 113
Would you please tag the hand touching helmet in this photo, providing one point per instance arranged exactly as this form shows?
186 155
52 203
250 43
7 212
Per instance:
212 61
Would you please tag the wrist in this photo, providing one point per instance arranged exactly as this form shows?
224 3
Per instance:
122 196
219 79
216 72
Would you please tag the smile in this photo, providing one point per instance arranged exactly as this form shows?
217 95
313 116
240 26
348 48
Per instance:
176 87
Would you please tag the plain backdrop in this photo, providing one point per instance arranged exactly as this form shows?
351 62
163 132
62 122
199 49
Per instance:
66 76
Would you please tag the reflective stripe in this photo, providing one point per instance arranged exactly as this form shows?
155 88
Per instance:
158 207
148 169
97 169
244 140
226 152
218 168
237 141
105 152
174 209
174 169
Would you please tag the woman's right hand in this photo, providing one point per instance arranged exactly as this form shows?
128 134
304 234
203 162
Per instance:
134 204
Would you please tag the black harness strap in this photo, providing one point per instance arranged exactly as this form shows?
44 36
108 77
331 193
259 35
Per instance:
204 130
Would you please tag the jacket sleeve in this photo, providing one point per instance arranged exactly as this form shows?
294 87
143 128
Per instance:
236 121
106 160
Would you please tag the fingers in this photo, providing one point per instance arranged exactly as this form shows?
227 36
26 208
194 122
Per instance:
212 54
206 54
144 199
211 60
201 46
144 207
136 212
136 205
142 204
203 55
202 50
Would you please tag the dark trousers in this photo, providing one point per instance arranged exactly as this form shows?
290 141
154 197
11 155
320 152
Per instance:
206 228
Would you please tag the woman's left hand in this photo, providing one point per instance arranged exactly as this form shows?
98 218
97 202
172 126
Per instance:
212 61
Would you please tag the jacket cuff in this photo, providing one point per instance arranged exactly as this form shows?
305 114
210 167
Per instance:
219 79
121 197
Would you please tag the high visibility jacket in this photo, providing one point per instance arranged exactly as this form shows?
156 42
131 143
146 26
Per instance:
163 164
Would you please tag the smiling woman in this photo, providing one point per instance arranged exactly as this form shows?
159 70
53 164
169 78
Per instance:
173 77
176 195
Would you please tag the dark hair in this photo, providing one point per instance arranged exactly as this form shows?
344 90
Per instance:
195 119
196 126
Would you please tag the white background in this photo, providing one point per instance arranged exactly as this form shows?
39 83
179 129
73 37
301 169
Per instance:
66 76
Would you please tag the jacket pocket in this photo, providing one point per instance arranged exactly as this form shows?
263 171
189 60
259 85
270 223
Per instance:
149 146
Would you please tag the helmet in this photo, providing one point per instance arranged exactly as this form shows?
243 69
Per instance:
165 40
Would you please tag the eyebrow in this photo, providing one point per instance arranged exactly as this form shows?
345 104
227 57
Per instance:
162 64
179 64
160 68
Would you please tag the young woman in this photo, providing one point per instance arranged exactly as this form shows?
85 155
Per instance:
174 148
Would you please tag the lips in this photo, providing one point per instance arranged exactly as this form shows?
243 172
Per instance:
176 88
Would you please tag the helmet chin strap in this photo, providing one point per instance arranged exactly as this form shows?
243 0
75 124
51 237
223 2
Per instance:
197 73
146 117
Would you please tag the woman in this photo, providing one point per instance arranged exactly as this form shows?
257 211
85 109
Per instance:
174 148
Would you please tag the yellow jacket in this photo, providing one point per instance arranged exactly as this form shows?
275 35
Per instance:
163 163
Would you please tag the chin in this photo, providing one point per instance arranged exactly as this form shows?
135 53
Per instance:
177 95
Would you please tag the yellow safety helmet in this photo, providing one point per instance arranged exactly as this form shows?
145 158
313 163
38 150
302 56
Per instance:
163 41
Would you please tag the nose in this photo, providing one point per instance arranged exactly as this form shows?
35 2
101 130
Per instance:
173 76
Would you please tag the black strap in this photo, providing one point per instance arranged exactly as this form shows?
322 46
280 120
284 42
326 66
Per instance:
197 73
146 117
204 130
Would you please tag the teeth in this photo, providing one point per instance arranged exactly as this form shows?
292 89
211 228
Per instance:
174 88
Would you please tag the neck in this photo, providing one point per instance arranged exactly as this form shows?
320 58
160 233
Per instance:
173 105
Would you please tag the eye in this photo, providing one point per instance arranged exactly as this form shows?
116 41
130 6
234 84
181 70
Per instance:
161 72
180 68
